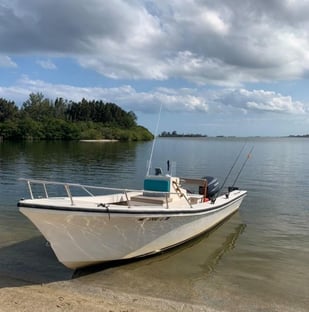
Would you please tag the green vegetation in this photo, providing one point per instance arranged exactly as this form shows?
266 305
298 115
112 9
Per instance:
42 119
175 134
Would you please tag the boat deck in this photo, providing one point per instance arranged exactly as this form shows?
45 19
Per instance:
123 200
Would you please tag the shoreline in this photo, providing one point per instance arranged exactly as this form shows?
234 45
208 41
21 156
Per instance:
38 282
74 296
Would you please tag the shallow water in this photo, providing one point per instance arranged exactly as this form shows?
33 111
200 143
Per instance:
258 258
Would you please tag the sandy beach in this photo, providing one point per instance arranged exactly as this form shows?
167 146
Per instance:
31 279
73 296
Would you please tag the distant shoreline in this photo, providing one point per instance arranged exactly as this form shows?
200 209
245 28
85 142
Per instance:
299 136
101 141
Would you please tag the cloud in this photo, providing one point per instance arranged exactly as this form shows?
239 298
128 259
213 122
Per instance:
201 101
6 61
259 101
125 96
47 64
223 42
181 100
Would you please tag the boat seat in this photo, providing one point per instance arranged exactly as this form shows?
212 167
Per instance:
195 198
150 199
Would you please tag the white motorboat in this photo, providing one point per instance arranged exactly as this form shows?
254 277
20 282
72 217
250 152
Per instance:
122 223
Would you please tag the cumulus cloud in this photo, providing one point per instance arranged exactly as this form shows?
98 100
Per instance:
259 101
6 61
47 64
190 100
207 42
182 100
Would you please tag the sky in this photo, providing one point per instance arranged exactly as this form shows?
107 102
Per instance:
224 67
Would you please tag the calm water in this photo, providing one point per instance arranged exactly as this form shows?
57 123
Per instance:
258 260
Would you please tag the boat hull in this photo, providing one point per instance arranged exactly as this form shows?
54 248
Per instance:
83 237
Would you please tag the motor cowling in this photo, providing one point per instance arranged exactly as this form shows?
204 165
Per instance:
213 187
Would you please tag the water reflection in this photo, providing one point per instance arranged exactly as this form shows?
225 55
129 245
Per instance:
269 261
88 163
174 273
184 265
30 262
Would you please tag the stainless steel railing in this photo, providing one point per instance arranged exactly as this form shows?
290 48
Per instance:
86 188
68 186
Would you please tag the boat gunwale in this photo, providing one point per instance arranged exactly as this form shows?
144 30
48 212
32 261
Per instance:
110 209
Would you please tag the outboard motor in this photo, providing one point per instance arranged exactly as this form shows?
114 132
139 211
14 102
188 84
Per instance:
213 187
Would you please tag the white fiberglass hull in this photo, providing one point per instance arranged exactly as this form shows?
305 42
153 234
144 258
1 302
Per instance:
83 236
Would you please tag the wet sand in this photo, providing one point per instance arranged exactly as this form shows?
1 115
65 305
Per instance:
72 296
31 279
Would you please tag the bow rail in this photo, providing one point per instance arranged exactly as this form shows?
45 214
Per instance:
87 188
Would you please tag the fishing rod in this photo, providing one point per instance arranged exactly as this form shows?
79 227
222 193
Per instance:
231 169
236 160
243 166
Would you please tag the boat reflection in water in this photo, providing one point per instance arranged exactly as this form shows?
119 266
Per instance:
181 273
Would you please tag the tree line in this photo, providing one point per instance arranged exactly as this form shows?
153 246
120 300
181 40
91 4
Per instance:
175 134
40 118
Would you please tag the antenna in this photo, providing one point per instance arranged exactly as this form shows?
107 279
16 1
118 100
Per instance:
242 167
154 141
